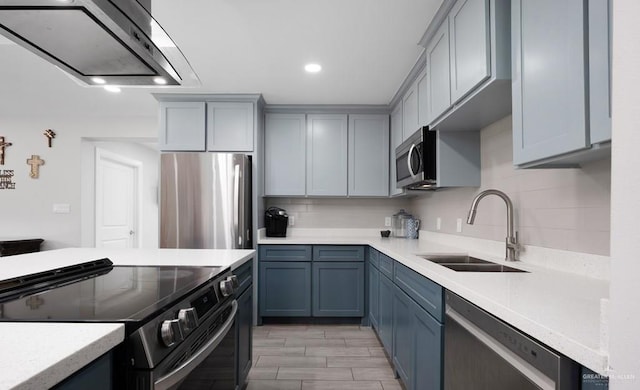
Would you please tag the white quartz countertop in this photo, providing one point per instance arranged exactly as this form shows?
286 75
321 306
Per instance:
563 310
39 355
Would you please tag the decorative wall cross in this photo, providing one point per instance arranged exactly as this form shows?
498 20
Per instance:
35 163
50 134
3 145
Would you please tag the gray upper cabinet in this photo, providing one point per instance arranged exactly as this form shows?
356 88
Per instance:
327 155
285 146
423 102
396 140
468 53
469 46
410 112
230 127
600 70
554 81
438 74
368 155
182 126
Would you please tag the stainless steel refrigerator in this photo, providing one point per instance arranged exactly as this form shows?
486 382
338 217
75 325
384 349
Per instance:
205 201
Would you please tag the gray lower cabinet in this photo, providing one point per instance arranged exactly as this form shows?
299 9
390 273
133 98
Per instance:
385 311
374 282
552 119
285 289
311 281
96 375
338 289
403 348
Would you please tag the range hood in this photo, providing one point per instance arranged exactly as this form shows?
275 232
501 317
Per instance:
114 42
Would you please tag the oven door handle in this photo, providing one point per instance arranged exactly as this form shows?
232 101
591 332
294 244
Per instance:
176 376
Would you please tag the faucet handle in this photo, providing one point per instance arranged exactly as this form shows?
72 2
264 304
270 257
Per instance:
512 247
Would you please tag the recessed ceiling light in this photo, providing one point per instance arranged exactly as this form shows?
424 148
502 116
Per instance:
313 68
98 80
112 88
159 80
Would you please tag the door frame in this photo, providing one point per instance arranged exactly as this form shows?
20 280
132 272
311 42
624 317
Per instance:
105 155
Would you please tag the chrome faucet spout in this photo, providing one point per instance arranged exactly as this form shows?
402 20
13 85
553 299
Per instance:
512 245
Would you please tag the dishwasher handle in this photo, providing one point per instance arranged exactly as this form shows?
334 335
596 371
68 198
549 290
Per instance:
176 376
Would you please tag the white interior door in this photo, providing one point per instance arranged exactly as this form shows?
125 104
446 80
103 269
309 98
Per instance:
117 200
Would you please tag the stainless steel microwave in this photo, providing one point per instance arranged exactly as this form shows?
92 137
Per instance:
416 161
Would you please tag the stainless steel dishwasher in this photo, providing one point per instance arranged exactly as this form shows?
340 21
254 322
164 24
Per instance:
483 353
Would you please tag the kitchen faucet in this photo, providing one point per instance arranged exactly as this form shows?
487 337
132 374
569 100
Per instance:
513 248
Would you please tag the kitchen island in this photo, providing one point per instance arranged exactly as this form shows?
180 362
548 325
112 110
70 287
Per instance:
565 310
64 348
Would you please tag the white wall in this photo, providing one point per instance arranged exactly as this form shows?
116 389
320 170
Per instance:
625 207
555 208
148 157
27 210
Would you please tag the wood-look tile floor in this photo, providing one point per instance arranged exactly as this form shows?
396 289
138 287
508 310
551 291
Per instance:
319 357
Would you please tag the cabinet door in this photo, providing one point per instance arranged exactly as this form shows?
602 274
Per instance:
368 155
600 70
427 346
396 140
403 347
327 155
469 46
438 85
423 101
229 127
182 126
244 338
410 112
374 281
549 113
284 154
385 311
338 289
285 289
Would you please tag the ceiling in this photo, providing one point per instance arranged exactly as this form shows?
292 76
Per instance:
366 48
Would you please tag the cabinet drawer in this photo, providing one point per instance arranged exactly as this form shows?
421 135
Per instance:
245 276
374 258
386 266
338 253
285 253
424 291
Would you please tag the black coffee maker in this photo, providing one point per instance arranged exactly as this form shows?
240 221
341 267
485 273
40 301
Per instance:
276 221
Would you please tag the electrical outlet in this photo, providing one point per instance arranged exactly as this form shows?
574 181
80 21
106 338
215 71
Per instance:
438 223
387 221
459 225
292 220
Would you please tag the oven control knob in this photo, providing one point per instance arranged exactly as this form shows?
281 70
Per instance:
226 287
171 332
234 281
188 319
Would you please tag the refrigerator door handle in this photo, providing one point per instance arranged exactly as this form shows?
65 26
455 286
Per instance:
236 205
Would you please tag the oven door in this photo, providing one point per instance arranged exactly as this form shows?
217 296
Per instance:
206 361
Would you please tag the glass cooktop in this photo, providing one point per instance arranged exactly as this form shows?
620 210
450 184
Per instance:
118 294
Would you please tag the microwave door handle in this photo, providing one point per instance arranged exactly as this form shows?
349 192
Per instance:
411 149
179 374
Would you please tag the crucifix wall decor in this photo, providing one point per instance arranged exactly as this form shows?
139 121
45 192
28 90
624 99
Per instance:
35 163
50 134
3 145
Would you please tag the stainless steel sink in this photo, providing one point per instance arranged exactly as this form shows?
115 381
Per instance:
465 263
455 259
